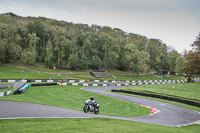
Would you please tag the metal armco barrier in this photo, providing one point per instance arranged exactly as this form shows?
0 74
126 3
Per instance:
78 84
149 83
96 81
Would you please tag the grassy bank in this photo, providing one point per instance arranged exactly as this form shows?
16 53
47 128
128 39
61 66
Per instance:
162 100
73 97
95 125
126 77
41 67
188 90
7 72
11 72
147 77
7 89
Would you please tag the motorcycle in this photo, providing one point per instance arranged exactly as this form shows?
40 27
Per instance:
88 107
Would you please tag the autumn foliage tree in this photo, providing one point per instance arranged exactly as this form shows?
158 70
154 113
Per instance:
192 60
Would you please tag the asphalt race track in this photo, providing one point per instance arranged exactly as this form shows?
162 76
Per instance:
168 115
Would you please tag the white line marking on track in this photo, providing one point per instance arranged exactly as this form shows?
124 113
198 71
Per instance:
43 117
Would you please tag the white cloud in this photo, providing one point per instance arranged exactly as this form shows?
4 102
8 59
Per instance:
132 2
144 2
176 29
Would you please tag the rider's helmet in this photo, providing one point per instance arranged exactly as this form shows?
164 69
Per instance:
91 98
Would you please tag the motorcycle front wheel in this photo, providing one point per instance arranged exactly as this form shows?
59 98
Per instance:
96 111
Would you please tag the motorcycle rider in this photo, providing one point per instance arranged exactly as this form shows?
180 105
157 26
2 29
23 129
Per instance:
91 106
93 101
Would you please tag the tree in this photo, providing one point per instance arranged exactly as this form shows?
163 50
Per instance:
106 44
143 61
65 50
131 56
179 65
163 58
138 40
2 51
73 62
192 60
154 48
57 41
10 40
79 46
29 54
40 29
49 54
96 63
171 59
113 55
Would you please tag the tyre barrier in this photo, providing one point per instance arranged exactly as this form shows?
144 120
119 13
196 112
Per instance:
175 99
2 94
44 84
22 89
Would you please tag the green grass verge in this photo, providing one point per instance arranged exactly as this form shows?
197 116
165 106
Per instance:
124 77
6 83
162 100
185 89
92 125
79 76
148 77
73 97
7 89
7 72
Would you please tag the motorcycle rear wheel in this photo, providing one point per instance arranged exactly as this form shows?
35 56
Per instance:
85 109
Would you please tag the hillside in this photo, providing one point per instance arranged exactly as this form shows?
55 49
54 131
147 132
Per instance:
79 46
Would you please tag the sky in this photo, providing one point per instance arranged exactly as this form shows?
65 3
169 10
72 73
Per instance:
175 22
